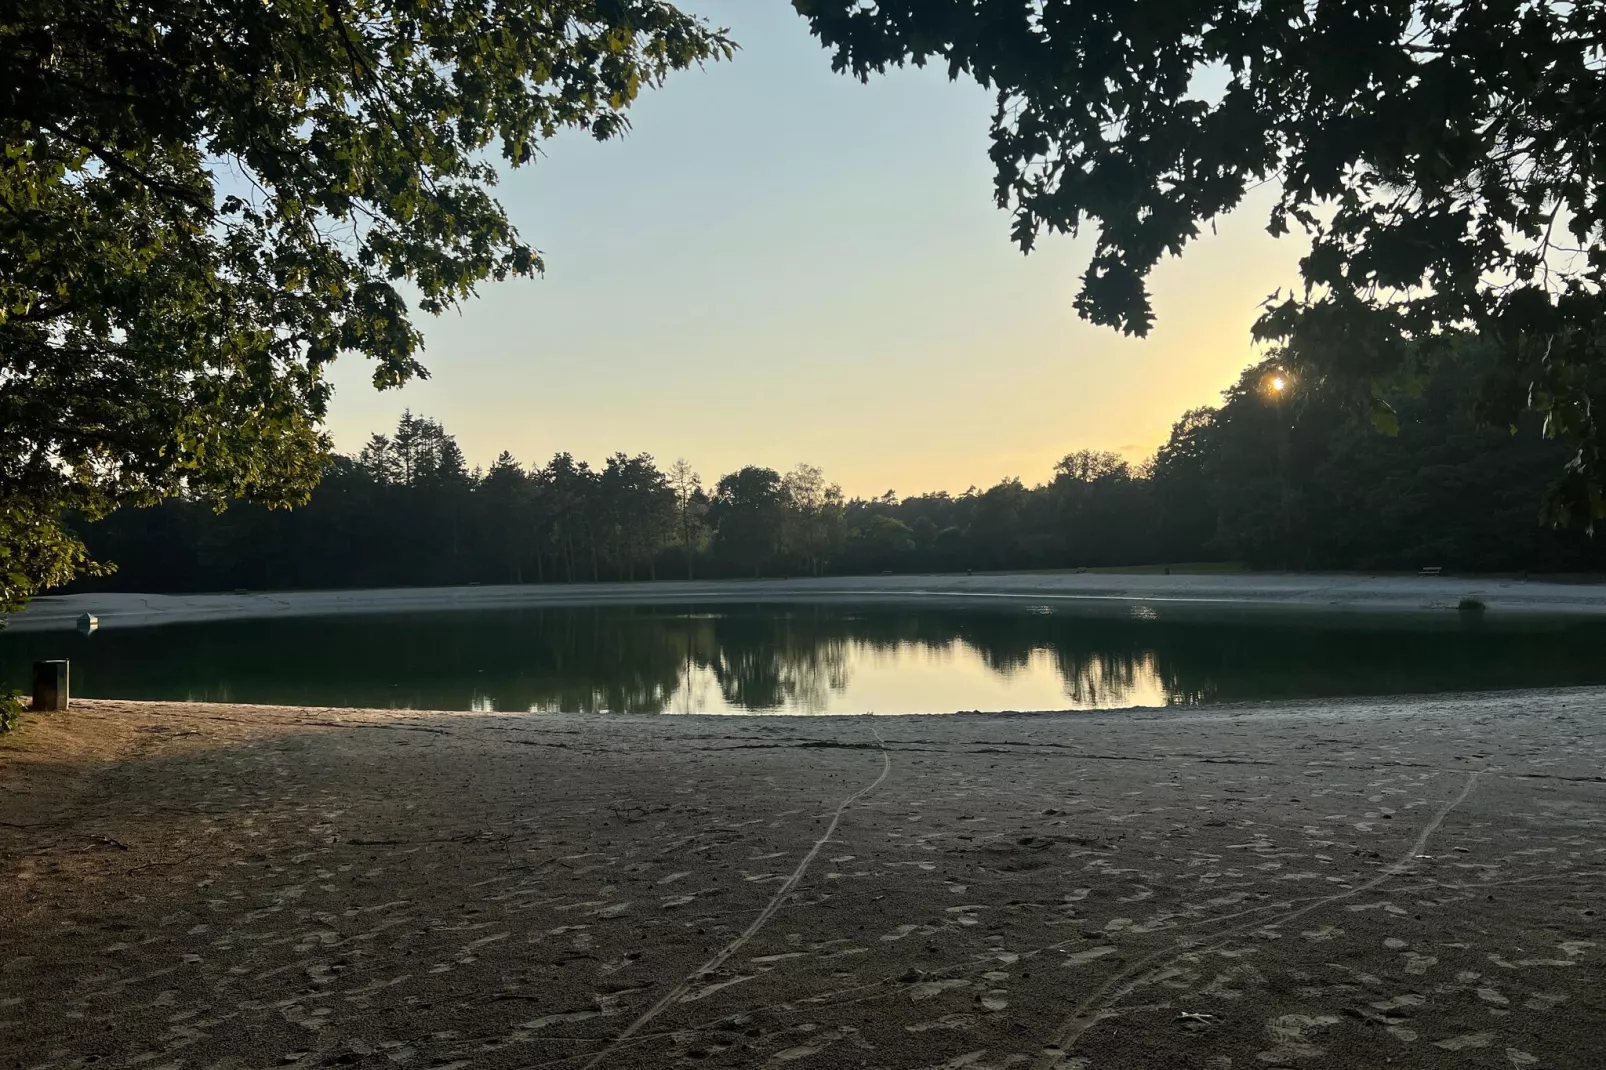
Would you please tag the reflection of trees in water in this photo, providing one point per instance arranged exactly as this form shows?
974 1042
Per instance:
1100 661
799 657
771 662
1102 679
618 659
641 660
635 664
644 660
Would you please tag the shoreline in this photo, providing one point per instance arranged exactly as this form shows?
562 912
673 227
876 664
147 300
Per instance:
1313 707
1198 595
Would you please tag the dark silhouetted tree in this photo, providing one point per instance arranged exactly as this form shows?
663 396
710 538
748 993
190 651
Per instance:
691 505
204 202
1440 156
749 517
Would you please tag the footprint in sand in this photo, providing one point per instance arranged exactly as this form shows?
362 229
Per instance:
977 1060
782 957
558 1019
924 990
1410 999
1465 1041
1524 964
1079 1062
1089 955
1289 1035
817 1044
1417 963
1394 1013
947 1021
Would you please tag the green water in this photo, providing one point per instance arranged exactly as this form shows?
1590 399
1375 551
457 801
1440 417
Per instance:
792 659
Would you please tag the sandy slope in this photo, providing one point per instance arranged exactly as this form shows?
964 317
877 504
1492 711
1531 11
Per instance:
1326 885
1209 593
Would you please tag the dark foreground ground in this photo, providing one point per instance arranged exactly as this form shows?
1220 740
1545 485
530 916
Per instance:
1413 883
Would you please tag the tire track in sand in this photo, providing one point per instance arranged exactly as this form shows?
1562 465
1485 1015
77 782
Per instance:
1090 1011
758 923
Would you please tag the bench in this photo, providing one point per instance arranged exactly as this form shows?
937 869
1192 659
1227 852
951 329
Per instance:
1432 570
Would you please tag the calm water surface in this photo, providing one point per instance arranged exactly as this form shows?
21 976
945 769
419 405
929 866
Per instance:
810 659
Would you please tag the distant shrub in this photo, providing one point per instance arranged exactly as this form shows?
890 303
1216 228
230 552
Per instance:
1470 604
10 710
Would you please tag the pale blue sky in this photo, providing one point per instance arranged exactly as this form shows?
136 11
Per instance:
779 264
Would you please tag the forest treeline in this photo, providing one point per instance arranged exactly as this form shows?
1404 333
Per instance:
1287 477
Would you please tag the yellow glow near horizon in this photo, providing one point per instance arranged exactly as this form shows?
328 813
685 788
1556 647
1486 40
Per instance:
835 286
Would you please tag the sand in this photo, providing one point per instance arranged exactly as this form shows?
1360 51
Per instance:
1417 883
1206 594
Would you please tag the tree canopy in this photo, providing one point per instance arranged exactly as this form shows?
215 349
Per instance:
204 202
1446 159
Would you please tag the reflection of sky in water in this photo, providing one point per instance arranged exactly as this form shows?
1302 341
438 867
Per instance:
918 678
802 659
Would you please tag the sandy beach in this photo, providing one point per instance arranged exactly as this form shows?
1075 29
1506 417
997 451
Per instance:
1417 883
1211 594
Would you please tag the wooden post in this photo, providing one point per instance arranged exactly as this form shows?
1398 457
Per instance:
49 685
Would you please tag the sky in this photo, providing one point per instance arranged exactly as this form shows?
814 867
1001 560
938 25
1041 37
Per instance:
780 264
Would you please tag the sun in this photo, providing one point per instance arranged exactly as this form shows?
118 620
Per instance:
1278 383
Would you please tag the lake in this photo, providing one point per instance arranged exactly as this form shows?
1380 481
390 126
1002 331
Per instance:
809 659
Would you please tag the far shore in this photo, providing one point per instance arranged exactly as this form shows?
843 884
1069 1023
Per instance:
1091 591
